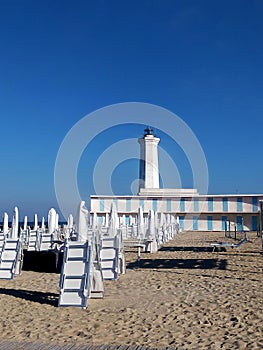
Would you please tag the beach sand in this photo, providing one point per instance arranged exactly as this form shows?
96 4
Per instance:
183 296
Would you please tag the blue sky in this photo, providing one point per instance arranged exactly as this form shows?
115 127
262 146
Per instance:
61 60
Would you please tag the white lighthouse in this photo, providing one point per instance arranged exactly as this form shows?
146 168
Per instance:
194 211
149 166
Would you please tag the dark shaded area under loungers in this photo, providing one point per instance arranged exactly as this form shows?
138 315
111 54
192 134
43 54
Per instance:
50 261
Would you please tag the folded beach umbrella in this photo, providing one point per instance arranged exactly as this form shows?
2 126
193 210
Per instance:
156 220
82 224
43 227
56 221
14 230
140 222
70 222
162 219
94 221
5 223
52 220
123 219
151 232
151 225
107 220
163 227
25 223
114 220
168 219
174 225
35 222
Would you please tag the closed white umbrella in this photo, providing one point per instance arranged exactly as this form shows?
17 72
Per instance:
168 219
162 219
160 228
35 222
56 222
114 224
5 224
156 221
51 220
25 223
107 220
82 224
68 229
94 221
140 230
14 230
172 223
163 223
123 219
140 223
150 233
70 222
43 227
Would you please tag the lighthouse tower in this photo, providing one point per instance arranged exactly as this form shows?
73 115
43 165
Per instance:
149 167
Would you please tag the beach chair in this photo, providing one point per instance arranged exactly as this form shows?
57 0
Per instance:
126 231
11 258
2 241
97 287
121 253
75 278
24 235
33 241
228 244
45 241
96 277
109 256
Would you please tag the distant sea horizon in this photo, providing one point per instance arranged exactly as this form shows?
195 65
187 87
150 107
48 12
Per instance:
31 223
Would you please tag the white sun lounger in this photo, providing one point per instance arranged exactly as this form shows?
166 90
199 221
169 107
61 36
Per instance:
2 241
45 241
75 276
97 287
228 244
11 258
109 256
33 240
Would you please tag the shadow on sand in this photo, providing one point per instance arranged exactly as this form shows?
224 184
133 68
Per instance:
203 264
192 249
38 297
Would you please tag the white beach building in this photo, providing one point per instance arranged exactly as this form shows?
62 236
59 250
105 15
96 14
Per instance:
193 210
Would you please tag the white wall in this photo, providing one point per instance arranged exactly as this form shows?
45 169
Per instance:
189 213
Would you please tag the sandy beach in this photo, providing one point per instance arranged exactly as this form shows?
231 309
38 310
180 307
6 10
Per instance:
184 296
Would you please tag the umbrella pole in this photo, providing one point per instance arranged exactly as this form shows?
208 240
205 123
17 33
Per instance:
139 255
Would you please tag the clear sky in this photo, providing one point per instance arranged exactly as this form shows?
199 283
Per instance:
61 60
